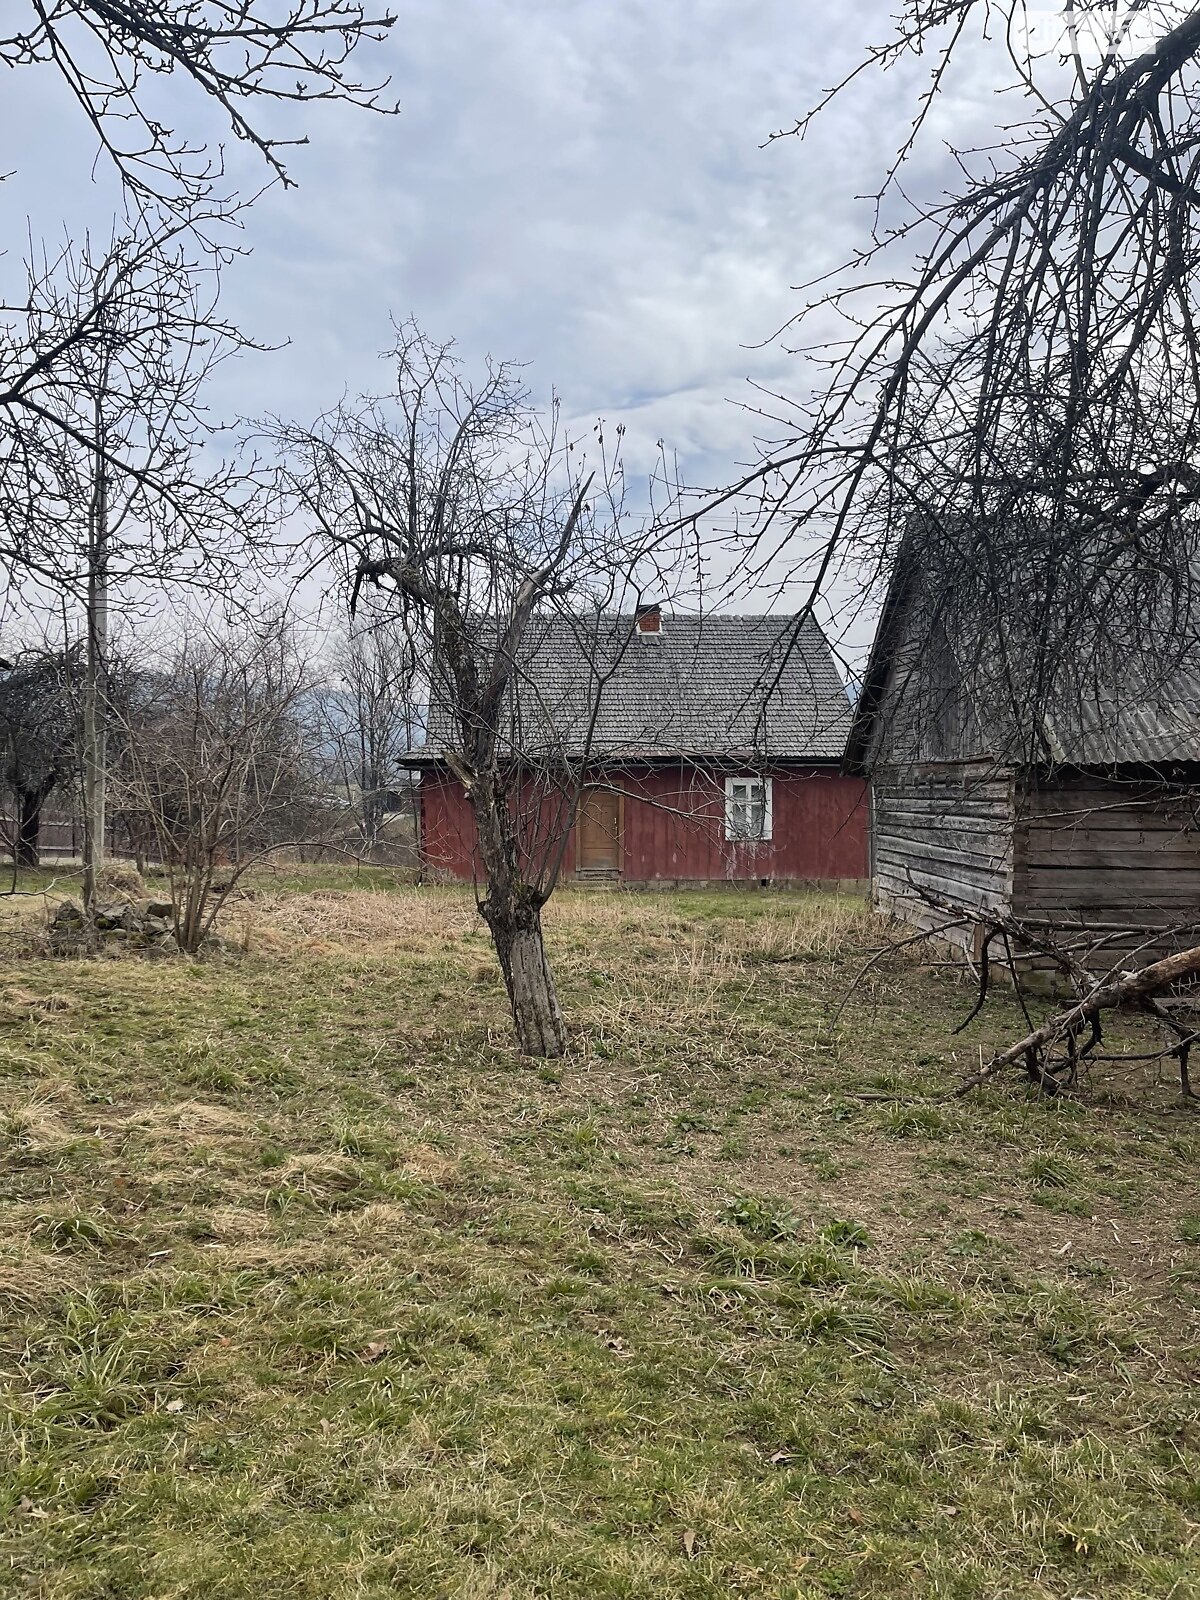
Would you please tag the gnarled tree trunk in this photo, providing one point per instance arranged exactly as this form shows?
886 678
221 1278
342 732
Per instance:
516 924
512 910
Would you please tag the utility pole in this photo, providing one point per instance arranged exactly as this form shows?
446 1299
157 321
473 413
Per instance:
95 681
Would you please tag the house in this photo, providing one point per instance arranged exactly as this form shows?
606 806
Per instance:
709 751
1070 801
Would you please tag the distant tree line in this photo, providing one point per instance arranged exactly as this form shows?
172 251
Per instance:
231 737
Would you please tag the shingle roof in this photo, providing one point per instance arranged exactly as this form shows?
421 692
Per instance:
702 687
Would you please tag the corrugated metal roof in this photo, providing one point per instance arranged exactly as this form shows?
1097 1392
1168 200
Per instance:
1118 708
1140 722
702 687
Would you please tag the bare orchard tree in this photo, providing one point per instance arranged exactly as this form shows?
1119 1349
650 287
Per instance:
113 437
999 413
243 56
61 325
480 519
39 738
371 721
1029 390
217 763
246 58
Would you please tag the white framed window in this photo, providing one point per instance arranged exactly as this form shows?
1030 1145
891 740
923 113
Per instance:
748 810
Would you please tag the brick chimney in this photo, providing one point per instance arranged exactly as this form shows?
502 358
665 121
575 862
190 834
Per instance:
649 623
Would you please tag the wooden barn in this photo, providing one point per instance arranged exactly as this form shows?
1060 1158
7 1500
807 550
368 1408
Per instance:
715 757
1085 815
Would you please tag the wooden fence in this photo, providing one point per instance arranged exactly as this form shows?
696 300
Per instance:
61 839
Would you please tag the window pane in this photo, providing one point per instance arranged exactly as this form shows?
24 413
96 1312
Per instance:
746 816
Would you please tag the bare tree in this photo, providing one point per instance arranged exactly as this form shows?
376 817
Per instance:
1003 429
114 435
1027 395
39 730
113 346
371 721
481 520
217 763
241 56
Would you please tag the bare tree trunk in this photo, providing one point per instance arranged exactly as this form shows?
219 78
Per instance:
512 910
137 848
95 730
516 925
372 807
27 845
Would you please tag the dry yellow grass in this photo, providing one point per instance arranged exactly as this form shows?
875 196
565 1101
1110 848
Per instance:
314 1290
351 918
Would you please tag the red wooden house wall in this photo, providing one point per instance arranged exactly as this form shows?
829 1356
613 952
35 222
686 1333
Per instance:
673 827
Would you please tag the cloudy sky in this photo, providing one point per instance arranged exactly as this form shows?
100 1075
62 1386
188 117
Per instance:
584 185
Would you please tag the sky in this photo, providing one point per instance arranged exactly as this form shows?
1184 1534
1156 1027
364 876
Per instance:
586 186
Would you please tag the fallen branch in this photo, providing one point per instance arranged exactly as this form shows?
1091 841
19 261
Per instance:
1134 988
890 949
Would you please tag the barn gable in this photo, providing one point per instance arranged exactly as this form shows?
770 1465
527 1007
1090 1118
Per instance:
1078 803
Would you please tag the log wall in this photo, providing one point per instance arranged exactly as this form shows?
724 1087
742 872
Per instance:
1096 850
945 828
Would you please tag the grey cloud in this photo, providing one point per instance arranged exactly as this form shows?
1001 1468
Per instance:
580 186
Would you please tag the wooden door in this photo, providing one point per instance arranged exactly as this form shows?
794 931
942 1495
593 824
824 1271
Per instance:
598 833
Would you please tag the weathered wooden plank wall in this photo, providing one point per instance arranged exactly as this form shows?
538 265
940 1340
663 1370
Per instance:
675 829
1108 852
944 829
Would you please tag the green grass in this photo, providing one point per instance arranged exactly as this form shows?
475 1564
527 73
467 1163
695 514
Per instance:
311 1287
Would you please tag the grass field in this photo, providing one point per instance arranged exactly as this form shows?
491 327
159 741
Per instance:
311 1287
